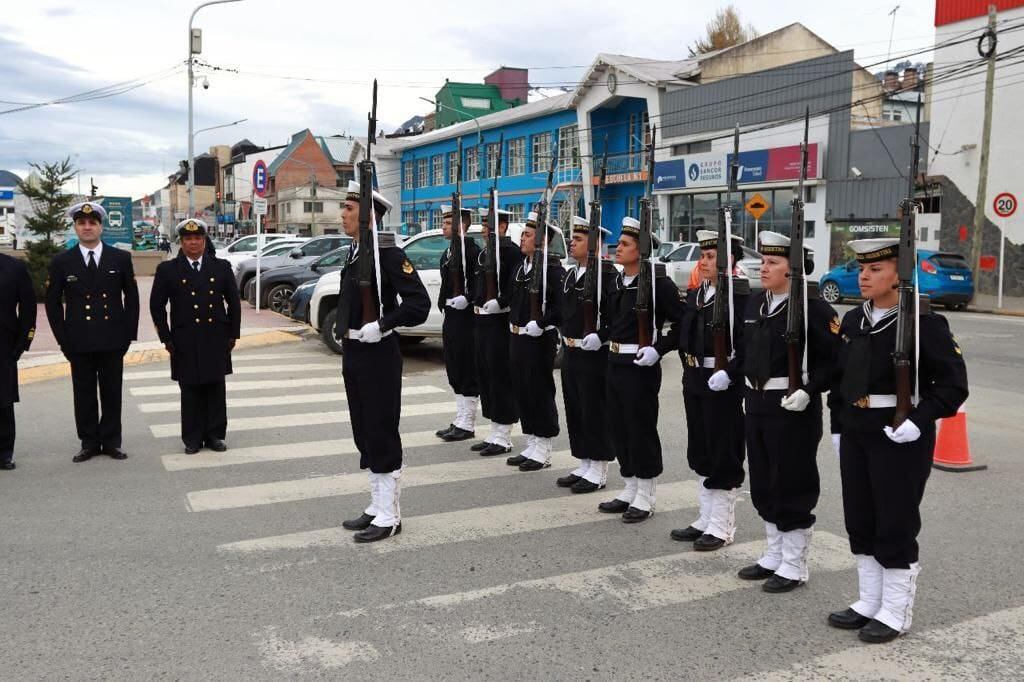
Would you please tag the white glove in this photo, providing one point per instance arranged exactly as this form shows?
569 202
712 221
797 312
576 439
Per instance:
835 443
591 342
491 307
533 329
646 357
719 381
907 432
459 302
370 333
797 402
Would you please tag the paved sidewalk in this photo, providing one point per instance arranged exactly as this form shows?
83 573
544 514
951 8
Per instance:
986 303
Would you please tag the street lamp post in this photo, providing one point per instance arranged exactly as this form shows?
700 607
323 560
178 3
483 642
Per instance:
191 83
191 177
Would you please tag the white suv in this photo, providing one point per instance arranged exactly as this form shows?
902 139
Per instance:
424 252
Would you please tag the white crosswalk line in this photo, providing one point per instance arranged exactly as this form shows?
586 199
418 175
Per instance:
350 484
303 419
268 369
286 357
278 400
290 656
287 451
472 524
985 648
242 385
644 584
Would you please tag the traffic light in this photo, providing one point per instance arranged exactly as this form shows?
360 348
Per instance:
94 190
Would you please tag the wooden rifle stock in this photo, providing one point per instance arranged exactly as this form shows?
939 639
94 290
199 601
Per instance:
795 341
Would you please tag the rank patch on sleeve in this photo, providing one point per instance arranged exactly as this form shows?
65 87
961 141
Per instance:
407 267
956 347
834 324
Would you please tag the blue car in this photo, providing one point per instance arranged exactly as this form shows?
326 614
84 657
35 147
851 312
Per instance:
298 305
945 277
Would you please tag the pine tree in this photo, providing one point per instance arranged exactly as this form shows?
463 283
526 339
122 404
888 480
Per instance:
725 30
49 217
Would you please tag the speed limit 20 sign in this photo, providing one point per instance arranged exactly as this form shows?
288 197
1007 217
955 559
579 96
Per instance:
1004 205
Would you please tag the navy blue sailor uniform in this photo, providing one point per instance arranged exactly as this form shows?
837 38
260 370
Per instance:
491 337
373 371
632 390
92 305
17 329
205 320
533 358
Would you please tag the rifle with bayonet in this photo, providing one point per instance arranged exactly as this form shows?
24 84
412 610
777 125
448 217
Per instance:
591 284
457 248
540 235
721 315
366 275
906 315
492 257
796 314
645 278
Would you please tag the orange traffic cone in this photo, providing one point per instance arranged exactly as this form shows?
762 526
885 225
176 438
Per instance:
952 452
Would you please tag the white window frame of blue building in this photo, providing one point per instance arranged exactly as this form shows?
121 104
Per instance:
568 143
516 156
540 148
471 167
437 162
435 219
492 150
453 167
407 175
422 170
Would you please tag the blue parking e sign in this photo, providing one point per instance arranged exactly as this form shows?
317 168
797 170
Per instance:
260 178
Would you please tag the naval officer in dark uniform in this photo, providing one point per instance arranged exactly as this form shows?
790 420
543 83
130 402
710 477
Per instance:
92 305
372 365
884 469
17 329
205 323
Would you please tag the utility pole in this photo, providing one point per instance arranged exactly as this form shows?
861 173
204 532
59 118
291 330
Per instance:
986 135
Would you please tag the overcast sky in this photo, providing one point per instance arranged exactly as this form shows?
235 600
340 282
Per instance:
309 63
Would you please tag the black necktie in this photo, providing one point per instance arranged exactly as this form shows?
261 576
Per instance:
195 265
854 384
92 262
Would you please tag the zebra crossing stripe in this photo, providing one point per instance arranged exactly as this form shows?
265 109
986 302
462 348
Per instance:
478 523
351 484
233 385
268 369
279 421
279 400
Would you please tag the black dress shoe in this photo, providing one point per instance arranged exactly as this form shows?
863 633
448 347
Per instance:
494 449
847 619
533 465
361 523
634 515
115 453
877 632
191 449
568 481
688 534
615 506
585 486
84 455
515 460
457 434
441 432
375 533
777 584
217 445
477 447
708 543
755 572
8 466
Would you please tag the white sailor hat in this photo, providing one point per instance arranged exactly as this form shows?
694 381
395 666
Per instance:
503 214
631 227
873 250
446 211
775 244
581 225
531 222
708 239
87 209
380 203
191 226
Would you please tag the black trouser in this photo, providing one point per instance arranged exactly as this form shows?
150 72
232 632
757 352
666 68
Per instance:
459 351
204 413
6 433
714 437
373 386
782 449
883 483
632 397
533 381
584 375
493 369
106 369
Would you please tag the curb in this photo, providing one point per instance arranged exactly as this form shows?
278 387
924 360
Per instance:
57 370
997 311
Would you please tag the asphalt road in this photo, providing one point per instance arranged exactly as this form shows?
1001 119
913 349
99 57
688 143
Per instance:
233 566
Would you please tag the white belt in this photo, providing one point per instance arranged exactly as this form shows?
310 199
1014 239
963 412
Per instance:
480 311
876 401
354 334
576 343
624 348
519 331
775 384
708 362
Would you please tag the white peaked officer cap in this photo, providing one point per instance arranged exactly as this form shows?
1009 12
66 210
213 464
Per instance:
87 209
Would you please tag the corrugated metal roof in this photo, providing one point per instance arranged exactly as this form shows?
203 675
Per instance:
952 11
8 179
341 149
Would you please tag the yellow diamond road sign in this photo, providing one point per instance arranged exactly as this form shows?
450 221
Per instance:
756 206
